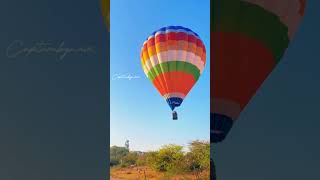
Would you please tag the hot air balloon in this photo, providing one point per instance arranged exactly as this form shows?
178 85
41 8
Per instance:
106 12
248 39
173 58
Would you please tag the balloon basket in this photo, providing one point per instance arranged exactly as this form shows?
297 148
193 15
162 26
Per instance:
174 115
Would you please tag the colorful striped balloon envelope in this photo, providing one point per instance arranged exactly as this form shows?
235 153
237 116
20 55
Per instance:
248 39
173 58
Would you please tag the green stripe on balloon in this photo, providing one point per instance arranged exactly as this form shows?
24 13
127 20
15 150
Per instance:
172 66
252 21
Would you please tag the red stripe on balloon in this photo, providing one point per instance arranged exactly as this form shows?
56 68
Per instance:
175 36
176 82
239 65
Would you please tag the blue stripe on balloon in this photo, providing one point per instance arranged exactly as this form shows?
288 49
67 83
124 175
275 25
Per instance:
175 28
220 126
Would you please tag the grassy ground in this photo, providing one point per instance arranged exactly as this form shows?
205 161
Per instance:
146 173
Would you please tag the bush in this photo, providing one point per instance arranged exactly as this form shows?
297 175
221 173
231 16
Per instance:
198 159
114 162
130 159
151 158
116 154
142 160
168 157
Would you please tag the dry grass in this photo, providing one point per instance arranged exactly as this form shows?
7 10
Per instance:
146 173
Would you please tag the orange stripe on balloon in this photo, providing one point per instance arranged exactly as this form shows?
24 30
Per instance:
145 53
161 81
158 86
173 45
170 42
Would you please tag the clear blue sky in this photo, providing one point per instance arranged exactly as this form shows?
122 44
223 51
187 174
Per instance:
137 111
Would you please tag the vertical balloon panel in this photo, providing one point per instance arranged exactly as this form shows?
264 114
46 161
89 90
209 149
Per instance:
248 39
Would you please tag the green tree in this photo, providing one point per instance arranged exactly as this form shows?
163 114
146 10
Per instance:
198 159
168 156
116 155
151 158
